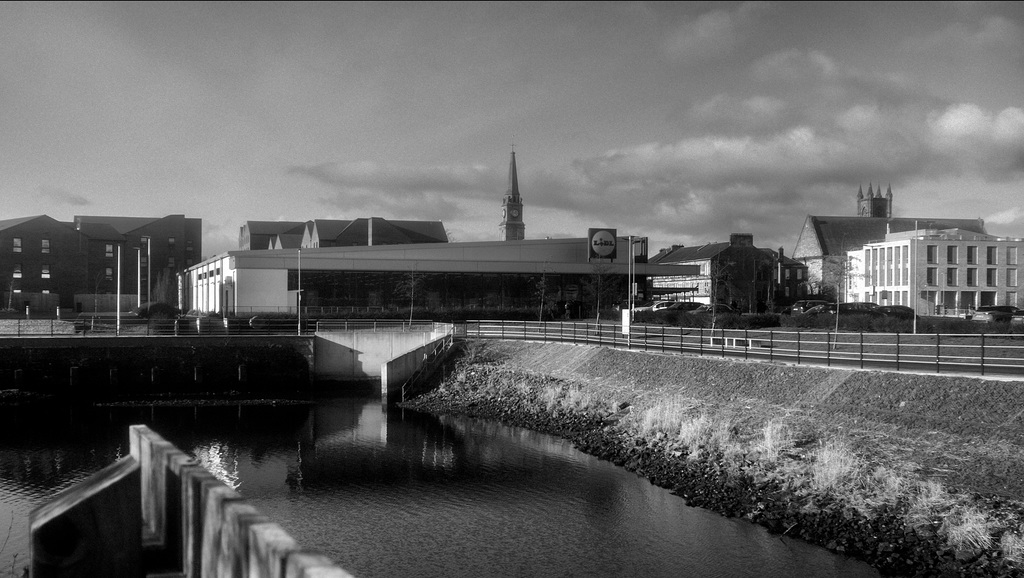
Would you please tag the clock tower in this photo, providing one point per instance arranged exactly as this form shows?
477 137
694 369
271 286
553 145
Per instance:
512 227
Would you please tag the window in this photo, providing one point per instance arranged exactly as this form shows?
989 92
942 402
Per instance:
933 254
109 273
1011 298
990 255
799 274
170 242
170 262
17 271
188 246
17 244
951 277
972 255
46 246
990 277
951 254
931 276
108 250
972 277
45 271
1011 277
1011 255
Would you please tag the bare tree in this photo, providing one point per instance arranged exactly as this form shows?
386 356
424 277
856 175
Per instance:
601 286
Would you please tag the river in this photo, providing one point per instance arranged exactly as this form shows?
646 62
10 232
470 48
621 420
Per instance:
400 493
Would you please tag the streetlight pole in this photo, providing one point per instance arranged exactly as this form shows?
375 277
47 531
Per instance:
299 292
138 277
117 308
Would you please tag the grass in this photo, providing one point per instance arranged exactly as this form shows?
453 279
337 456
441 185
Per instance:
865 466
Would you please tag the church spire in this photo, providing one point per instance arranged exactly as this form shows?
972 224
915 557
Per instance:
513 177
512 227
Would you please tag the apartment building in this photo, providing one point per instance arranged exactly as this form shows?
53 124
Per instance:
937 271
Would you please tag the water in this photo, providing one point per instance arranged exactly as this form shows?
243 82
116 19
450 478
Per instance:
400 493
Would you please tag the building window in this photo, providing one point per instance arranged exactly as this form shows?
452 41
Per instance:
45 271
799 274
991 255
972 255
188 246
109 273
46 246
951 277
170 262
931 276
951 254
972 277
170 242
108 250
990 277
17 244
1011 255
1011 298
17 270
1011 277
933 254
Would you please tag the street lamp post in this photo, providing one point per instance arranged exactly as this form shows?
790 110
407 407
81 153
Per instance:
299 292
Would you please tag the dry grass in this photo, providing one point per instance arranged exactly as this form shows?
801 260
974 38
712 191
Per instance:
833 465
967 528
776 438
927 503
1012 545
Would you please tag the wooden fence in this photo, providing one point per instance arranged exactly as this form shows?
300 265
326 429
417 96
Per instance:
158 513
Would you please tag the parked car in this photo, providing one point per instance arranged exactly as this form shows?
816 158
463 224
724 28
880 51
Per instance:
851 308
1018 318
803 305
717 307
656 306
994 313
684 306
897 311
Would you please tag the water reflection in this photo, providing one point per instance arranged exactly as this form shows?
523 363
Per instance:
393 492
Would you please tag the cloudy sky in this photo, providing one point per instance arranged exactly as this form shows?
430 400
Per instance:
683 122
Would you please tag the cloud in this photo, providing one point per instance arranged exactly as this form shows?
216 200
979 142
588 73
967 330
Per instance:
401 191
712 35
1007 217
970 138
62 196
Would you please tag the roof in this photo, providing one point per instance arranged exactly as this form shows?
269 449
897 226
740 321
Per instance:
9 223
120 224
690 254
273 227
387 232
836 235
100 232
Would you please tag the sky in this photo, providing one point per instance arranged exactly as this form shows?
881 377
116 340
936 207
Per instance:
681 122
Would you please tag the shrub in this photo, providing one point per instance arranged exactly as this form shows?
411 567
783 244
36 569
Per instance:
158 311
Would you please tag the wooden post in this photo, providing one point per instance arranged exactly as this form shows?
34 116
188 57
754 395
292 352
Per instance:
92 528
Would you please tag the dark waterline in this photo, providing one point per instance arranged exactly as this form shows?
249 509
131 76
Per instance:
400 493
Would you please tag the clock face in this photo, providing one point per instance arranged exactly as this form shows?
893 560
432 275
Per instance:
515 213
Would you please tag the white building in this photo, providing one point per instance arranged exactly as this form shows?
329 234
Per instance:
948 271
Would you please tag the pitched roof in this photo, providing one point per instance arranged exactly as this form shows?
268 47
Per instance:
690 254
274 227
836 235
8 223
100 232
120 224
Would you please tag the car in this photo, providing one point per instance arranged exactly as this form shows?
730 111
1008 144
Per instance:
717 307
803 305
851 308
656 306
1018 318
896 311
994 313
684 306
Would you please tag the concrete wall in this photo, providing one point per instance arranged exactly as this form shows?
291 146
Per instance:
396 371
360 354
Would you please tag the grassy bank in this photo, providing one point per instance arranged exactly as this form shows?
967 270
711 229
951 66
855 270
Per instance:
916 474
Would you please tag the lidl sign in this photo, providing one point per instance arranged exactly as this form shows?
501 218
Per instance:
603 243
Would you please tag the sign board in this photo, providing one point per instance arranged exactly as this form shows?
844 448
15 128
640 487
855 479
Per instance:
625 321
603 244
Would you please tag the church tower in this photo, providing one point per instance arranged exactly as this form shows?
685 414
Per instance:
874 204
512 227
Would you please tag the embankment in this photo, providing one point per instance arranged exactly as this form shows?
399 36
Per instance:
918 475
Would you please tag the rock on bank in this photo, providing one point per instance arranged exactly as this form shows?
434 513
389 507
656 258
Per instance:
962 433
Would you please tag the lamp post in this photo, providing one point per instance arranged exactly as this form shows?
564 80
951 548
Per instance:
117 307
149 266
299 292
138 277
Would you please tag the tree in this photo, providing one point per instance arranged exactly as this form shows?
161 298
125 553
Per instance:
719 277
601 287
411 285
165 287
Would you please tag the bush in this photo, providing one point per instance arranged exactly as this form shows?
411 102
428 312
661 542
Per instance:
158 311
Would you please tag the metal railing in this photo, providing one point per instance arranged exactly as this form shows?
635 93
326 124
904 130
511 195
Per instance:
107 326
982 354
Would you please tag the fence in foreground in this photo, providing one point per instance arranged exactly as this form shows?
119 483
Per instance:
157 512
935 353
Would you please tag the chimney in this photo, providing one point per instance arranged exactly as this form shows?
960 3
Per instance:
741 239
